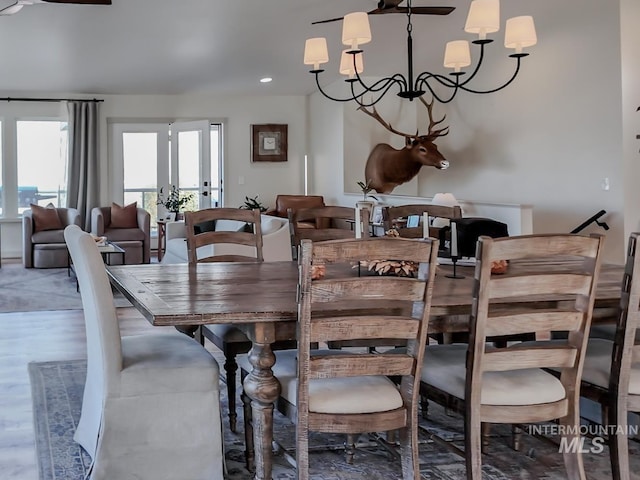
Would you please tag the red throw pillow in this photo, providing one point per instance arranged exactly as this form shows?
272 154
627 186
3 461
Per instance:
124 217
45 218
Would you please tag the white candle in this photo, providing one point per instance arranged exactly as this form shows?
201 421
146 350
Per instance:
358 224
425 225
454 239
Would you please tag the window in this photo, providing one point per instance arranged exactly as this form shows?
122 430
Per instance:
42 163
140 153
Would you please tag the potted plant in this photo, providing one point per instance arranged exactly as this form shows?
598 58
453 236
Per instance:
251 203
366 188
175 201
365 203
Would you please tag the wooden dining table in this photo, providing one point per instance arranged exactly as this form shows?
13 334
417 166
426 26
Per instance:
260 298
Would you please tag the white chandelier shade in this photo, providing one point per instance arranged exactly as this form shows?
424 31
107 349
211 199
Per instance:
346 64
483 18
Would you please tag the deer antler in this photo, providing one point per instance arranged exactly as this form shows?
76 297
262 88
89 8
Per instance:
433 134
374 114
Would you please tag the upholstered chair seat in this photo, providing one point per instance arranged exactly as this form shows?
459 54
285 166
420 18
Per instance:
343 395
444 368
597 366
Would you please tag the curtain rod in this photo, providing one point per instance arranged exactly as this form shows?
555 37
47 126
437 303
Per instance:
22 99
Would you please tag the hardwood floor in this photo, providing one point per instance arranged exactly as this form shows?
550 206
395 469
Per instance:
36 337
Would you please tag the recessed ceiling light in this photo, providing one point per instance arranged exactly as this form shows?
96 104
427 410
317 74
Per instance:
266 80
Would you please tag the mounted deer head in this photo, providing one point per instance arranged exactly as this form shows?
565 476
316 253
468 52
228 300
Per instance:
387 167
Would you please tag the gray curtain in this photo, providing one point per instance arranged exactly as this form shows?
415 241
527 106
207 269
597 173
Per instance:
83 168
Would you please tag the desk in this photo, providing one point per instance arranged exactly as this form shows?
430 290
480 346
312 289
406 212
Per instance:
260 298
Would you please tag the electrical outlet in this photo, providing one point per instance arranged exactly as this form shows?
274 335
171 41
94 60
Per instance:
241 180
605 184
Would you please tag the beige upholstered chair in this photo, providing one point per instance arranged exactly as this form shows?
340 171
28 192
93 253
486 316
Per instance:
227 338
510 385
134 236
151 406
43 244
327 220
350 392
611 374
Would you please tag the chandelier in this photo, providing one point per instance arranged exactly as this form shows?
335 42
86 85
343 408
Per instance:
483 18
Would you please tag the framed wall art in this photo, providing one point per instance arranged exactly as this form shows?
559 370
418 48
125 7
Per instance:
269 143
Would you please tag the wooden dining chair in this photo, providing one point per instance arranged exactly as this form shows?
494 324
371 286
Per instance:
327 221
553 279
611 374
391 216
350 392
223 246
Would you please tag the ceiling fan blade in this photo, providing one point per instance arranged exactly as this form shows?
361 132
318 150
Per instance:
415 10
81 2
386 9
327 21
12 9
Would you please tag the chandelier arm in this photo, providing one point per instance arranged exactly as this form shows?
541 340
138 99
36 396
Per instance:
504 85
325 94
440 99
422 82
373 102
397 78
424 77
480 59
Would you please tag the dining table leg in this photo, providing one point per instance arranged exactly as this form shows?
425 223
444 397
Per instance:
263 389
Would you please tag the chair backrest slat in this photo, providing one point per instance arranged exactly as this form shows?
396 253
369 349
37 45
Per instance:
239 238
358 327
546 321
536 357
248 239
331 366
540 284
401 289
544 247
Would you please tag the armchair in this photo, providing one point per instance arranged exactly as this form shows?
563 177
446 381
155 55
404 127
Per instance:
284 203
135 240
43 244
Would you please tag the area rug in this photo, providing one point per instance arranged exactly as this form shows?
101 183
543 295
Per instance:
34 289
57 395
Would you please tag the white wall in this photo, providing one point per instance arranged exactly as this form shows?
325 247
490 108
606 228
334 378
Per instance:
630 40
237 114
550 138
